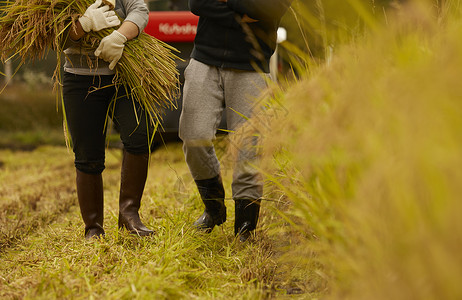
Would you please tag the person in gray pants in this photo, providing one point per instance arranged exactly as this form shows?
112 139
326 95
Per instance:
228 69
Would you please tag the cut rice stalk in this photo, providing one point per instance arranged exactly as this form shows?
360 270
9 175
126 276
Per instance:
147 68
111 3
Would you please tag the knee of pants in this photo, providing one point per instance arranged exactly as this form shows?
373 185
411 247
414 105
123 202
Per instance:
90 167
196 134
89 159
136 143
205 142
202 161
136 148
194 129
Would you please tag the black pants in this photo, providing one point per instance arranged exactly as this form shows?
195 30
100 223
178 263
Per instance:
88 104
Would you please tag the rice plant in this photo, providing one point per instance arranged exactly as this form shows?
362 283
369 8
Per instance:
368 155
147 68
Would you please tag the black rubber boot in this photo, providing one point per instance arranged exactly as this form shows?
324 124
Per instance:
132 182
91 203
246 217
213 195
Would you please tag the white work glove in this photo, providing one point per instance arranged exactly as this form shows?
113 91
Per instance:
96 18
111 48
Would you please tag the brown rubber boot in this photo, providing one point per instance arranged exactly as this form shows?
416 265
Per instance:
213 196
91 202
132 182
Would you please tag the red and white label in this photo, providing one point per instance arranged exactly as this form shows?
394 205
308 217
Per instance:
172 26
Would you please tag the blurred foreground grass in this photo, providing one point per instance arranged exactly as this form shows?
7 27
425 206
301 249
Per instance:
367 148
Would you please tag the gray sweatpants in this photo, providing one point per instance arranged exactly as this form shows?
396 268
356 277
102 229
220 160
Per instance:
207 91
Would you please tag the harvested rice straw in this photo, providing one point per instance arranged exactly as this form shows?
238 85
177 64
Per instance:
111 3
147 68
28 29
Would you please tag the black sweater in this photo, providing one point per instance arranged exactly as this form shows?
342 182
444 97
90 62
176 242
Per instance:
223 40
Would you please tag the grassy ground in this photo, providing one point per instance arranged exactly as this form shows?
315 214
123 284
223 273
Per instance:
44 256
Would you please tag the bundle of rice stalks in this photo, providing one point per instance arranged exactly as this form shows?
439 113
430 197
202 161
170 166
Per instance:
30 28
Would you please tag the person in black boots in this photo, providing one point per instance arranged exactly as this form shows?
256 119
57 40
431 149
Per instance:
88 90
228 69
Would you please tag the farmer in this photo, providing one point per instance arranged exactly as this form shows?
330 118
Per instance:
230 60
87 92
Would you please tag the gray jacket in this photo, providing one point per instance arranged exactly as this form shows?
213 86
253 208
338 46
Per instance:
83 62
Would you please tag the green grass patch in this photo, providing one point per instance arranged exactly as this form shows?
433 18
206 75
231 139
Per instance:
30 117
25 108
